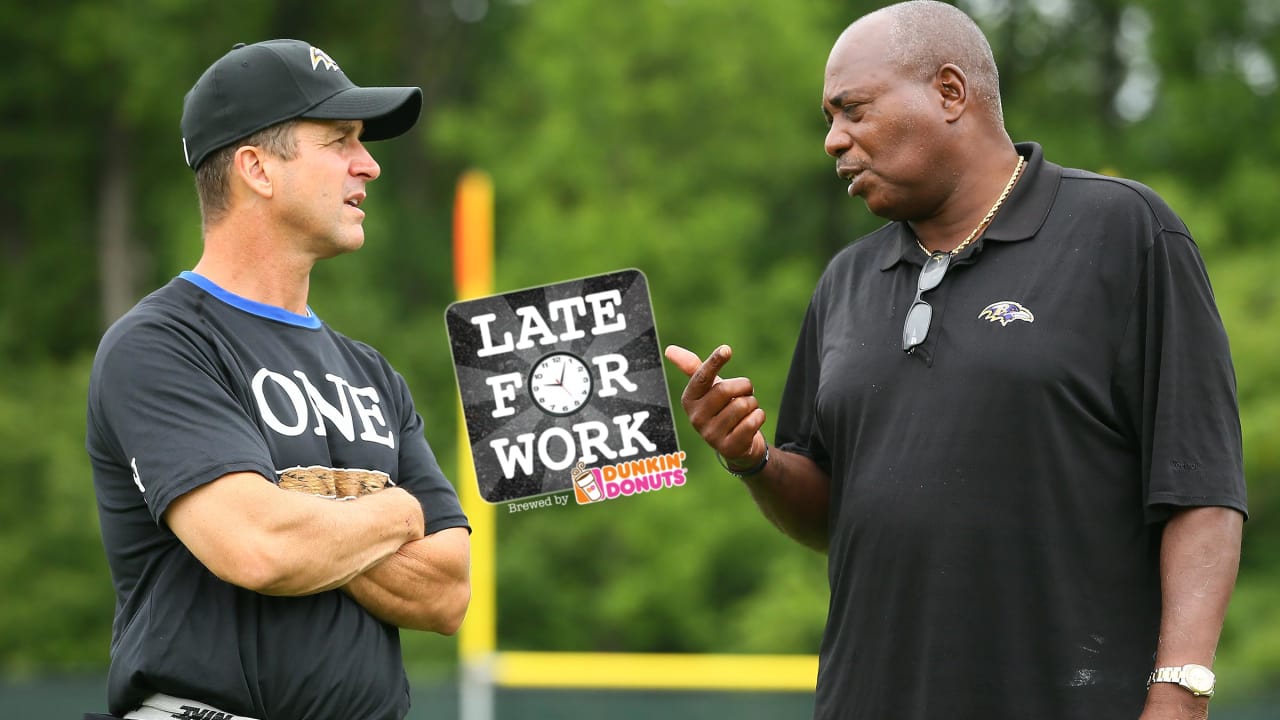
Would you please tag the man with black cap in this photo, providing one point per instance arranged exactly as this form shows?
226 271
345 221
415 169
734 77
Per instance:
270 510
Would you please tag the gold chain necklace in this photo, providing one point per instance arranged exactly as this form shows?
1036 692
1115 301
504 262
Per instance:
1017 171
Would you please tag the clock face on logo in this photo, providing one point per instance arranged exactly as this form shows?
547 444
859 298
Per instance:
560 383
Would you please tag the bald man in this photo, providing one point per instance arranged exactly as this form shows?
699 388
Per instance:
1010 419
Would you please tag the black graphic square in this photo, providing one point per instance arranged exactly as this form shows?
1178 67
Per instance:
558 375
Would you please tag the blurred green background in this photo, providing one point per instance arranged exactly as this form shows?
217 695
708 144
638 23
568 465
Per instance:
680 137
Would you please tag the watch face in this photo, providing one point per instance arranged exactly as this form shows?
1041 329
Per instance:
1199 679
560 383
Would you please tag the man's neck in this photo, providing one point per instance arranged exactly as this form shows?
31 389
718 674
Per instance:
256 266
964 211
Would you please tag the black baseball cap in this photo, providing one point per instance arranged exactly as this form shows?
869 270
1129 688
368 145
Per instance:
255 86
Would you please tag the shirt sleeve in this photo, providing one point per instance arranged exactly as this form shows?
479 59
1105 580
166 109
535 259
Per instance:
161 407
420 474
797 428
1183 408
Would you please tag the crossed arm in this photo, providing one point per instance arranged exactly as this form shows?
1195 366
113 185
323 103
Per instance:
251 533
424 585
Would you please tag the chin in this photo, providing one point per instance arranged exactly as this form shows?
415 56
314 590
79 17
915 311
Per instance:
885 208
349 244
880 210
340 246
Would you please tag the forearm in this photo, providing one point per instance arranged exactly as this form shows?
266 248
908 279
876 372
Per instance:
341 540
793 493
253 534
424 585
1199 558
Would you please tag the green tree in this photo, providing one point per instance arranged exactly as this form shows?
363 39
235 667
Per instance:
669 141
680 137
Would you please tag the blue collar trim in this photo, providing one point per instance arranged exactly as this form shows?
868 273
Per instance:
253 307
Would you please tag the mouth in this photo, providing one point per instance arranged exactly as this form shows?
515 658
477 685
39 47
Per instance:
848 172
852 174
355 200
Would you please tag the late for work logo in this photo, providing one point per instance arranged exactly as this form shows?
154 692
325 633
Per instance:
563 388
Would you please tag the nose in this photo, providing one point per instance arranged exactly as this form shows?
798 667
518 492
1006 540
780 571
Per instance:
363 164
838 141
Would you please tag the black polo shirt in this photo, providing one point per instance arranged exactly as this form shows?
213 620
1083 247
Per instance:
997 495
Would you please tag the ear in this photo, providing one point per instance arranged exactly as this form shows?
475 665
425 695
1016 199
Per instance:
252 166
952 88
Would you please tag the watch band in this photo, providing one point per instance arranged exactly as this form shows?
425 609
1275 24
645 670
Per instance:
1195 679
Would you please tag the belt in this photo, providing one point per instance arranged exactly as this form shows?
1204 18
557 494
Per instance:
168 707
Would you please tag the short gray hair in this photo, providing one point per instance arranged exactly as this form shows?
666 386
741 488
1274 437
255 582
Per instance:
924 35
213 177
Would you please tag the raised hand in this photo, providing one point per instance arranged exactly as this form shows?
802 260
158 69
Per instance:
725 412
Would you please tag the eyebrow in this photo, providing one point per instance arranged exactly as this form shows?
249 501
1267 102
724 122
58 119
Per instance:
848 97
345 127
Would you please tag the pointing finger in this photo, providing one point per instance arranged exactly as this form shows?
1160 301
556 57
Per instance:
684 360
708 373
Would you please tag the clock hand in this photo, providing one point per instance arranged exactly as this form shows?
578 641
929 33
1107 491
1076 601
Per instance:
558 383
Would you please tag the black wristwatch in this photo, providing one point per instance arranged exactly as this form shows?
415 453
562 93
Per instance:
748 472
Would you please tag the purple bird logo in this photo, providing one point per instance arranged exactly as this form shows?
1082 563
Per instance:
1005 312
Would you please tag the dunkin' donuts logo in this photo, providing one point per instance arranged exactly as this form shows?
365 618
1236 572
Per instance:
608 482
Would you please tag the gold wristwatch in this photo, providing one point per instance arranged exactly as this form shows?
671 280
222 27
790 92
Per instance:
1197 679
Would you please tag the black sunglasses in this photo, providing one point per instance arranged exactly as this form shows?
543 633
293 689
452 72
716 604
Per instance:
920 314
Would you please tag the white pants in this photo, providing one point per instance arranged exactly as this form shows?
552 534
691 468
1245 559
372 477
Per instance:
167 707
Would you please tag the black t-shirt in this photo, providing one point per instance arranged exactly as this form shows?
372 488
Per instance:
195 383
997 496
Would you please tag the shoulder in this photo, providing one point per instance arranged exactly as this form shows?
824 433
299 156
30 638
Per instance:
1124 234
157 343
161 319
1119 198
